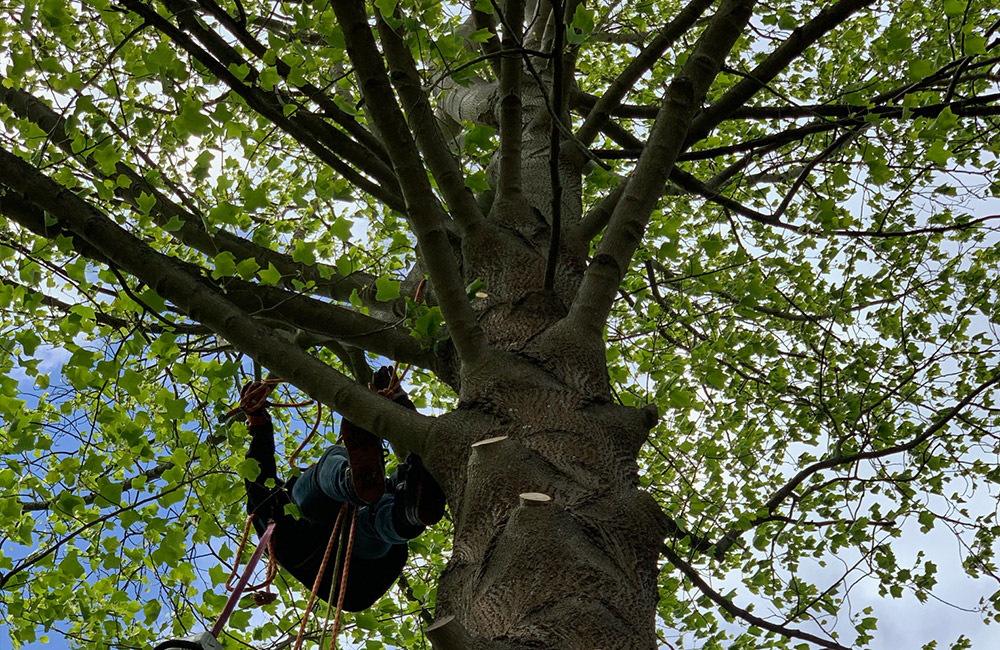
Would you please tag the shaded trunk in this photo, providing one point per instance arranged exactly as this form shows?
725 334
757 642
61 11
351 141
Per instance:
555 545
574 563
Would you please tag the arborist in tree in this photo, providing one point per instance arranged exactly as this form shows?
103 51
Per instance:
390 511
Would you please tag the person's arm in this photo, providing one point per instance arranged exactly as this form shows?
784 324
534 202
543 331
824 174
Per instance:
264 501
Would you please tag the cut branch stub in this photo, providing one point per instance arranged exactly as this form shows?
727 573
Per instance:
534 499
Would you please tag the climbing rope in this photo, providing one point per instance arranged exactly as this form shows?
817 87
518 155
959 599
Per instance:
319 576
319 417
272 567
240 586
343 580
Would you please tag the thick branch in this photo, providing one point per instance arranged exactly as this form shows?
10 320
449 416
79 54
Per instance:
300 126
426 215
798 42
370 157
191 231
738 612
509 183
638 66
645 186
291 310
324 101
200 302
555 178
442 163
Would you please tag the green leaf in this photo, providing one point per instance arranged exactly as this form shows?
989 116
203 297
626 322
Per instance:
387 289
174 224
975 44
225 213
29 341
386 7
240 71
716 378
938 153
146 202
247 268
341 229
191 120
225 265
271 275
305 252
248 469
480 35
953 8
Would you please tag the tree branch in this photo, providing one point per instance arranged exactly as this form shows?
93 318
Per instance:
191 232
461 202
150 474
597 292
330 107
511 127
972 107
291 310
738 612
491 46
303 127
426 215
938 423
558 117
798 42
689 183
202 303
603 108
33 559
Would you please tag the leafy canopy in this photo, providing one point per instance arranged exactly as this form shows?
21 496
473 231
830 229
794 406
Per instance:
813 307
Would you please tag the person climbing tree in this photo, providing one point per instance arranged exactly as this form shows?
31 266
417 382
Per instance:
390 512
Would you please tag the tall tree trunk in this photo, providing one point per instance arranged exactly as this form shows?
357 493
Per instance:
555 545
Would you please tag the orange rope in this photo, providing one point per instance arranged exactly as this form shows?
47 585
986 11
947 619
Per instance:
272 569
239 552
343 580
272 564
258 396
319 577
319 417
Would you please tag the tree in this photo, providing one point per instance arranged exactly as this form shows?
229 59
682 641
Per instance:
714 279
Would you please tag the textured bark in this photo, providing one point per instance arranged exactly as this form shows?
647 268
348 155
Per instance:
579 570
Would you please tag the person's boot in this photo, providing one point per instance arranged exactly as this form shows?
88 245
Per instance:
364 452
420 500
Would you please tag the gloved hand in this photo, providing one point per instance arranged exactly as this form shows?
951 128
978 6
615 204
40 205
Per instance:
253 402
381 382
